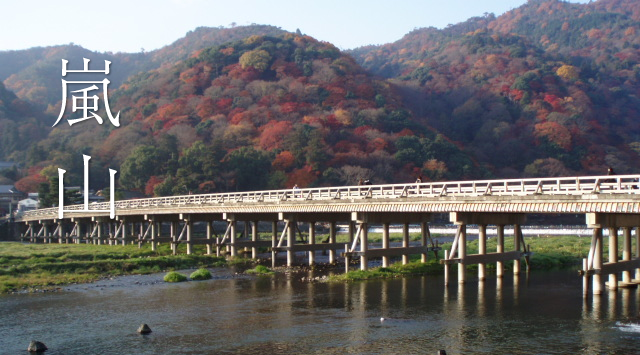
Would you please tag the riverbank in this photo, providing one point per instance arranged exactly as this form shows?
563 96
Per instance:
35 267
31 267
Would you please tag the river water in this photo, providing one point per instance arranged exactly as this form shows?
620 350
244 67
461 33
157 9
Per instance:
542 313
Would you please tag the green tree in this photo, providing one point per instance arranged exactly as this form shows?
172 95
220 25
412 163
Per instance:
44 195
49 194
410 150
422 75
200 159
397 120
143 162
250 168
165 188
258 59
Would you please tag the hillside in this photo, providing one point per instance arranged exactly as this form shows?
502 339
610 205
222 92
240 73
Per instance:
34 74
20 124
550 88
263 112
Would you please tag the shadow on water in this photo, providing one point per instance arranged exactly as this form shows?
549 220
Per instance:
541 313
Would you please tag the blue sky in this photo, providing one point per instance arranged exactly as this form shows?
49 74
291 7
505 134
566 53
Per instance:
130 25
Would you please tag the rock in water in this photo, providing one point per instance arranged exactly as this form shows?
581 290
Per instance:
36 347
144 329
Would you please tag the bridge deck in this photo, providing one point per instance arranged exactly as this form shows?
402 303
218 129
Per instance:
593 194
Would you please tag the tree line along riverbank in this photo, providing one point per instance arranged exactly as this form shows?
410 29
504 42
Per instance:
27 267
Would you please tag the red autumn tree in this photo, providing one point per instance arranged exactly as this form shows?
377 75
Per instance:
274 133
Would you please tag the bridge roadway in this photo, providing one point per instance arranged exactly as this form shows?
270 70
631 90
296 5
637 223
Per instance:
611 202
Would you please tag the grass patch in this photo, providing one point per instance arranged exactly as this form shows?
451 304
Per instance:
174 276
200 274
415 267
260 270
33 266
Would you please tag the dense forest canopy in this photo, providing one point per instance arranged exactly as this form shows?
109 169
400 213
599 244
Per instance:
547 89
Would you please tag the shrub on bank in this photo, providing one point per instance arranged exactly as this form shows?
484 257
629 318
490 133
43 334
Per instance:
200 274
174 276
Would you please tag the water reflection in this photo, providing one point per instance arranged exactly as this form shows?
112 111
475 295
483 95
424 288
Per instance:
539 313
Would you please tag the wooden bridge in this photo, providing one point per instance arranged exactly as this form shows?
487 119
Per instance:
608 202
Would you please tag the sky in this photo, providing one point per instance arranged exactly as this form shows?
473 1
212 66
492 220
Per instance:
134 25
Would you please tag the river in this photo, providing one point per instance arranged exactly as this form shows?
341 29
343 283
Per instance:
542 313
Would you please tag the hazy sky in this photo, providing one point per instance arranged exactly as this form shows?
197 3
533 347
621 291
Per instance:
129 25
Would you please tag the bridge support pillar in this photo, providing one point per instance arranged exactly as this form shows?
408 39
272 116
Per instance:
405 242
245 234
46 235
98 233
482 250
232 237
598 284
109 232
500 249
385 243
462 253
124 233
446 268
188 225
626 253
352 232
424 232
613 256
637 278
274 242
291 225
32 238
254 238
60 231
516 247
156 227
364 246
76 236
209 233
173 228
291 241
117 229
312 241
332 239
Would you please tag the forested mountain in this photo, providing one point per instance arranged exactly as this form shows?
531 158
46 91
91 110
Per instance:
263 112
547 89
550 88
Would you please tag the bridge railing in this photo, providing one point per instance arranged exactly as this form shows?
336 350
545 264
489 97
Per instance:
616 184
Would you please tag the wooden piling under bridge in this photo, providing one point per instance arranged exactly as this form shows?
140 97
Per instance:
609 203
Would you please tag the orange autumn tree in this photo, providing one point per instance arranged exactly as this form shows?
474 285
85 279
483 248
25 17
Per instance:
555 133
30 183
284 161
